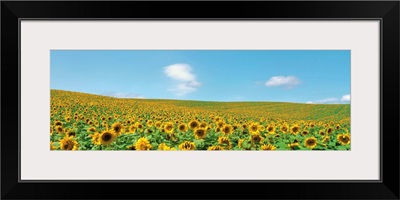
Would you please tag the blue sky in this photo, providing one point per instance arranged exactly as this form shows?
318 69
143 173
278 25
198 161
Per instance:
302 76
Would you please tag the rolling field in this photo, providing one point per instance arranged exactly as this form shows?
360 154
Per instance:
80 121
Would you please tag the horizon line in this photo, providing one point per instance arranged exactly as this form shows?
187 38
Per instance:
136 98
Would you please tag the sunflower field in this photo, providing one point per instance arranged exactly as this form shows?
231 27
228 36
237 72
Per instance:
80 121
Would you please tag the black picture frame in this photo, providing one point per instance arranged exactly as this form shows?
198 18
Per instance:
13 11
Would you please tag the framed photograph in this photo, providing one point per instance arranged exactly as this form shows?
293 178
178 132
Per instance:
263 96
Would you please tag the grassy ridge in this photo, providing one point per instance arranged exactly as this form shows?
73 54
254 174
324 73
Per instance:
284 110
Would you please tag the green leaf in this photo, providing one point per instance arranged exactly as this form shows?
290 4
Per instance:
246 144
342 148
281 145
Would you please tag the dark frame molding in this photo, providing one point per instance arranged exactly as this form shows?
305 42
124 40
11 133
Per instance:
385 11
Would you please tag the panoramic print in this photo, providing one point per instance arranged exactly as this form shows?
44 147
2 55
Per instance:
176 100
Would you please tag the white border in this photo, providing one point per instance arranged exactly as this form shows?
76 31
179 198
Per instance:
39 37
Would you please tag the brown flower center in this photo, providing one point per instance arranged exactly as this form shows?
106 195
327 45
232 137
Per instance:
200 132
169 127
106 137
310 142
256 138
193 125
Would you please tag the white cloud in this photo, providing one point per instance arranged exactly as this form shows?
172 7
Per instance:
186 79
183 88
324 101
286 81
180 72
123 95
328 100
345 97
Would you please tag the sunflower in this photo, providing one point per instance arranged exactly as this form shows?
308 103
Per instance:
268 147
227 129
91 129
132 128
187 146
107 137
68 119
52 147
70 133
171 136
240 141
200 133
117 128
183 128
165 147
257 138
193 124
169 127
293 145
132 147
215 148
148 131
158 124
220 124
322 132
326 138
329 130
139 125
295 129
304 132
271 129
225 141
343 139
337 127
149 123
68 143
96 139
58 123
162 146
203 125
310 142
254 128
284 128
143 144
261 128
235 126
59 129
